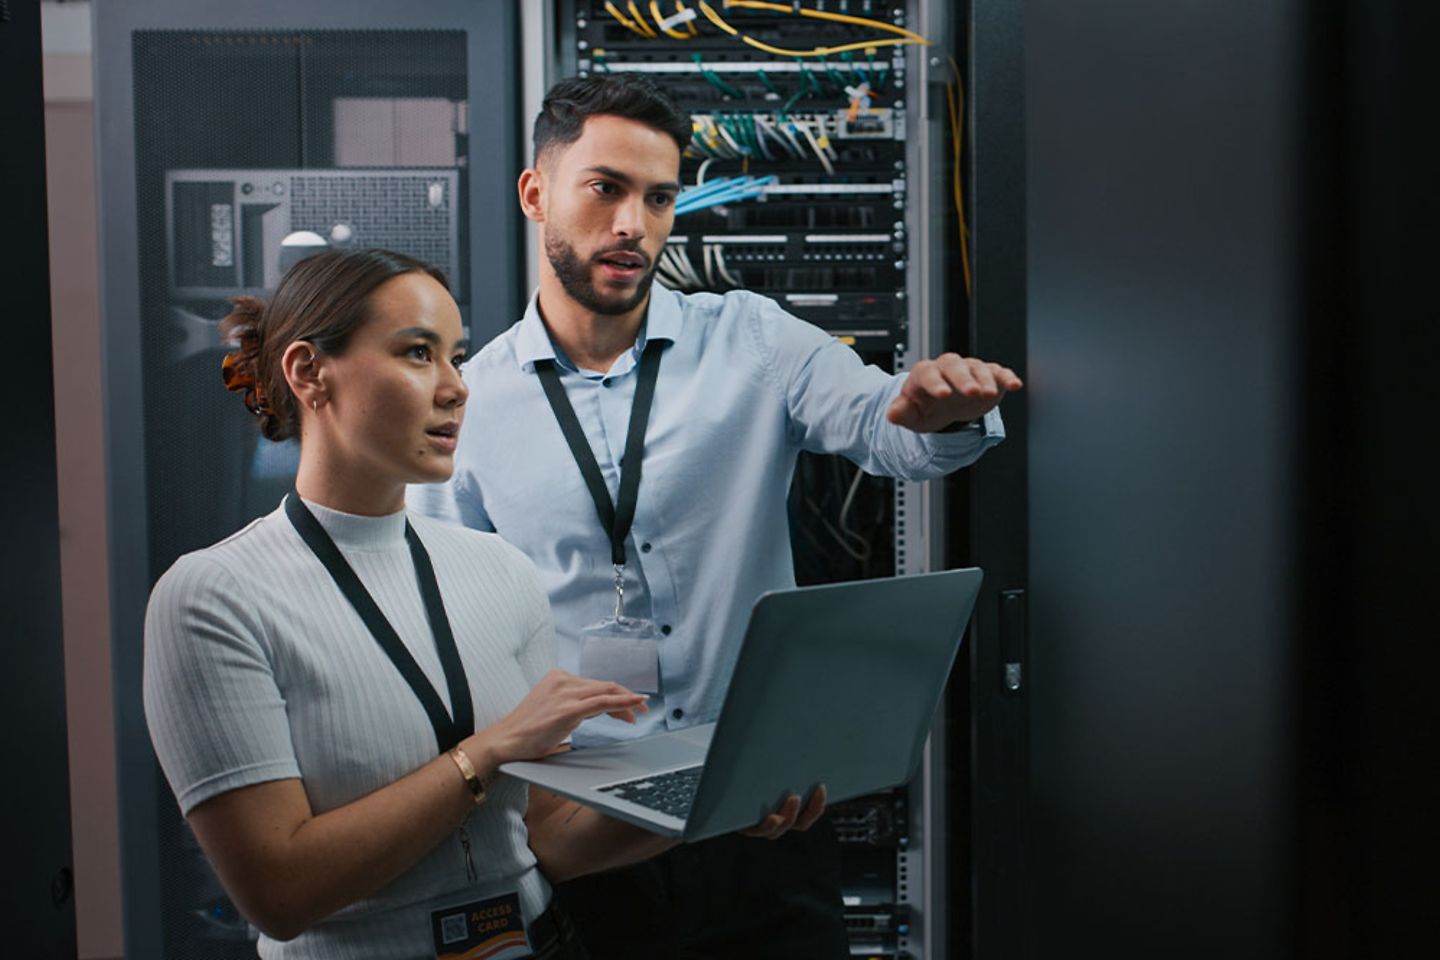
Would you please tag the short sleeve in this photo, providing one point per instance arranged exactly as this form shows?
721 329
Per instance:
216 715
537 656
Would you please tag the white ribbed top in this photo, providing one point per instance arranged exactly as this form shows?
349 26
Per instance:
257 668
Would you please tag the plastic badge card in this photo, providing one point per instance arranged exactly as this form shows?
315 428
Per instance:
622 650
493 929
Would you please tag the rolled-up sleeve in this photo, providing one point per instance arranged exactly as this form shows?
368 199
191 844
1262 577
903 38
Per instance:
836 403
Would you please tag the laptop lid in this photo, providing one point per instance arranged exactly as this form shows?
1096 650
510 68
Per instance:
835 684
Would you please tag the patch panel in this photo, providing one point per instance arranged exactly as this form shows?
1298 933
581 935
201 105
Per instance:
877 931
872 821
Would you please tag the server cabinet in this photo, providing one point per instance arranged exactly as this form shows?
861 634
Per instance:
233 140
859 230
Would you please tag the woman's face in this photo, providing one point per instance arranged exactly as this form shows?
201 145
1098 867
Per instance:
394 398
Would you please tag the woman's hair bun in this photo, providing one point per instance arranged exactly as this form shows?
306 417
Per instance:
241 367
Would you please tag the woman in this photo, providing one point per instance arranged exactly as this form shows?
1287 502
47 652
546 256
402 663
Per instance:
332 689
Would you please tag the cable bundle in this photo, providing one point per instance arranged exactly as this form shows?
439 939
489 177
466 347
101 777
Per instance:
677 271
772 136
720 190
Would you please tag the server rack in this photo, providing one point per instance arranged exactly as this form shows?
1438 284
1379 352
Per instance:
234 139
849 235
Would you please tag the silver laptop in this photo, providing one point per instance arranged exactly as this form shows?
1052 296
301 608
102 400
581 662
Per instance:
835 684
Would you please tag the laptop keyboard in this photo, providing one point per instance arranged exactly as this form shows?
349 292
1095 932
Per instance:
670 793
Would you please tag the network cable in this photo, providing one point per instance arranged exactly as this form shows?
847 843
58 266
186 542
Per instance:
718 191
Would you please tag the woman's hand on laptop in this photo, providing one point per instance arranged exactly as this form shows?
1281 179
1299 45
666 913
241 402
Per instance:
542 722
789 816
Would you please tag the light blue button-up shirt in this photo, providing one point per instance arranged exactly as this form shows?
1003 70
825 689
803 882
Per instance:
743 388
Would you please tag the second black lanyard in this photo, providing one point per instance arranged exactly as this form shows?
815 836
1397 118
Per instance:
619 515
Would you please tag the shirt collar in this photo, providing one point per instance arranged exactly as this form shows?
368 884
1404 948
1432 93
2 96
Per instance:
663 319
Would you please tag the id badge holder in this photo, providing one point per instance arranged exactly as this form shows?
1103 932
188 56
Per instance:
621 649
494 929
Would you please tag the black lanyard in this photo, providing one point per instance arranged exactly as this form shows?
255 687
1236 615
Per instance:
615 518
448 732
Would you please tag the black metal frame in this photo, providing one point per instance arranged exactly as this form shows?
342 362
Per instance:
987 511
32 694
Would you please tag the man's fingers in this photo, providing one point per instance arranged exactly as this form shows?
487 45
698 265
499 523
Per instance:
1002 376
959 374
985 378
784 818
969 377
927 382
813 811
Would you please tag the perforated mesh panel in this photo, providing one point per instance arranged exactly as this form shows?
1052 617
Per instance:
411 214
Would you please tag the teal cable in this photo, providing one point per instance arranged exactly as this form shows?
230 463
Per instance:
715 80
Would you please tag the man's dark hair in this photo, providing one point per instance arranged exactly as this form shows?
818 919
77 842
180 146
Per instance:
574 100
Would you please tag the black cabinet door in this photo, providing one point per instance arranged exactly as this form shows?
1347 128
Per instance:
39 882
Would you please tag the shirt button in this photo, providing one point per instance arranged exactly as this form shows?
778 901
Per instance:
605 382
645 547
665 629
677 713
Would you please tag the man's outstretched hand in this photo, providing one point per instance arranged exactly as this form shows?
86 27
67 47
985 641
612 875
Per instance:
950 389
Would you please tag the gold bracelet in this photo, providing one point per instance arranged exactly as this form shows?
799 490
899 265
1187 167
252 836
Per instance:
472 779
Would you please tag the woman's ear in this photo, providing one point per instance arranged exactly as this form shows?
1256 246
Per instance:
532 194
302 368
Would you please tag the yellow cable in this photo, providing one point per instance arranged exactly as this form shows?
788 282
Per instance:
709 11
660 22
614 11
955 103
716 19
958 121
640 19
825 15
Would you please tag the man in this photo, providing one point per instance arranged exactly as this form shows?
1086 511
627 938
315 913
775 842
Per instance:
740 389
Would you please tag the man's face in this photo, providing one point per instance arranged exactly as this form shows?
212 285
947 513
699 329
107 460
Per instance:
608 207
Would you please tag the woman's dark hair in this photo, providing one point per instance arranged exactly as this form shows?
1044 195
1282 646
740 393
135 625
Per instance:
322 300
633 96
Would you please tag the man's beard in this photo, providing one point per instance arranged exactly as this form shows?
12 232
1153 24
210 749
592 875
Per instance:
574 276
